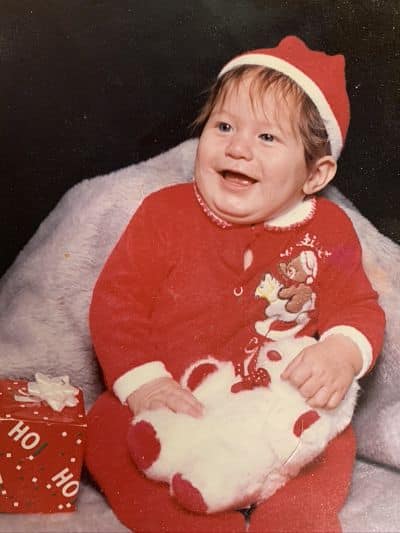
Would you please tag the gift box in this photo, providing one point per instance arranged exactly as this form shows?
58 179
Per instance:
41 449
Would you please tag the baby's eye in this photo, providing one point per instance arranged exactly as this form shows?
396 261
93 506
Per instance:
267 137
224 127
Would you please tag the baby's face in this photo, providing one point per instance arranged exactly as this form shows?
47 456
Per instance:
250 165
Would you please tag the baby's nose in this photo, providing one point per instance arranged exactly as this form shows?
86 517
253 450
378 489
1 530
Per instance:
239 147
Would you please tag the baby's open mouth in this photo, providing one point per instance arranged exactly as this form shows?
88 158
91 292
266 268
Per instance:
237 178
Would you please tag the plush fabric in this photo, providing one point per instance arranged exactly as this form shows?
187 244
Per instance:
256 433
44 299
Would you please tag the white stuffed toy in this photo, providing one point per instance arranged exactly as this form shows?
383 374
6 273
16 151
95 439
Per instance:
256 433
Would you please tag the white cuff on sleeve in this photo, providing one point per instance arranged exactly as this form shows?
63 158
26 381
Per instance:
358 338
135 378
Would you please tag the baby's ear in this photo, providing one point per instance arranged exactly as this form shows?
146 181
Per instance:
321 173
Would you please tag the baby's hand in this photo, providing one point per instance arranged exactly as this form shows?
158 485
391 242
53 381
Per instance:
164 392
324 371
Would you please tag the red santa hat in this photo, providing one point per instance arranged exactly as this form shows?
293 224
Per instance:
321 76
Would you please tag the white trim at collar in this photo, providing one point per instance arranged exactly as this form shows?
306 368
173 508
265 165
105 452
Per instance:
299 214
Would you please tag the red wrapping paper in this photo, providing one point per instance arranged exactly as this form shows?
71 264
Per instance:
41 453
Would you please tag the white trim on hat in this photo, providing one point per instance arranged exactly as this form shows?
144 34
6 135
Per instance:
305 82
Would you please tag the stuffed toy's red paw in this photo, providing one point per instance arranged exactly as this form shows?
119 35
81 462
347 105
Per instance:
256 433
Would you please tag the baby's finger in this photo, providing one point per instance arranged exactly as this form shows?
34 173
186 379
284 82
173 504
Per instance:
292 366
156 403
183 402
321 398
196 407
334 400
297 374
310 387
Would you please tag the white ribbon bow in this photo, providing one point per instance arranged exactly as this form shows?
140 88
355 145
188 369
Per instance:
57 392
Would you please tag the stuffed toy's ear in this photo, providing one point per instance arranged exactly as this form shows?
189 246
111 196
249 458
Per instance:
256 432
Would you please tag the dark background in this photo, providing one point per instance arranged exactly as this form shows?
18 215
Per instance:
87 87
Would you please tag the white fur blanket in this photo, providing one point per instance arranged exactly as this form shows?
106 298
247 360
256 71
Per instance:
44 296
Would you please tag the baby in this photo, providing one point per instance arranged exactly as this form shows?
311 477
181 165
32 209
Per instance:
246 254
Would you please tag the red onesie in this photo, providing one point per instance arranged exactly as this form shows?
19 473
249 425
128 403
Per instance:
182 284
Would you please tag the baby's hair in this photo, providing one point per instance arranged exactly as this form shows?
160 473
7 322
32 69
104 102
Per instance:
310 125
